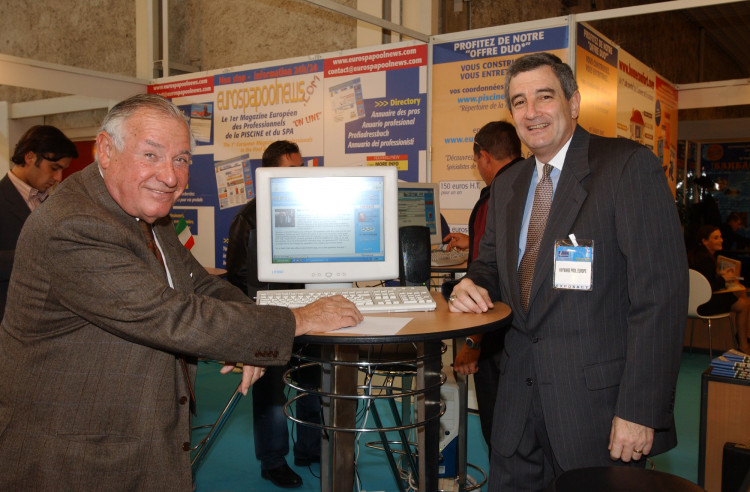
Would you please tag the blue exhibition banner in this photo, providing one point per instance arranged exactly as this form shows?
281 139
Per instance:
596 45
728 166
376 109
518 43
358 108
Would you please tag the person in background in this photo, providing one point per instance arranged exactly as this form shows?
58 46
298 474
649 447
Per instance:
270 431
496 148
107 313
589 366
40 157
702 258
242 261
704 212
733 239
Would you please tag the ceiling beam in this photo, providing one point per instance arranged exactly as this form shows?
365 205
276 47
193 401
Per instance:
714 94
651 8
55 105
371 19
33 74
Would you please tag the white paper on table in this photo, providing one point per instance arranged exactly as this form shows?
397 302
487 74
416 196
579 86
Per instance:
376 325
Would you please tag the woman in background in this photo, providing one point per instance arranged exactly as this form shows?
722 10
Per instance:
703 259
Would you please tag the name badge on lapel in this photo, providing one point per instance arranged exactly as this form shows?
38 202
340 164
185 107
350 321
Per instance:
574 263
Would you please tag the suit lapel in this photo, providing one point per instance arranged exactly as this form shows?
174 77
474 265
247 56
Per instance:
569 197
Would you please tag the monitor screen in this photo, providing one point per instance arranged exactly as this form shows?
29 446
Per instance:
419 204
322 225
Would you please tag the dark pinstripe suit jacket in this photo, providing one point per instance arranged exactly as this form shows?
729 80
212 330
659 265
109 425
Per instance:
91 391
13 213
592 355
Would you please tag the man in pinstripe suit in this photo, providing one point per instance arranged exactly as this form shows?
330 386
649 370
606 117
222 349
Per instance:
95 389
587 377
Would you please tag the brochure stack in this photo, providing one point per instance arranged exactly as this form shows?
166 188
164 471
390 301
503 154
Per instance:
732 364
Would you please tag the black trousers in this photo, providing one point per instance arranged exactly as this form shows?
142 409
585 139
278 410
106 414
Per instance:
533 466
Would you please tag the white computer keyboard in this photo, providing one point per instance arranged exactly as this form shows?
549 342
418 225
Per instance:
367 299
439 258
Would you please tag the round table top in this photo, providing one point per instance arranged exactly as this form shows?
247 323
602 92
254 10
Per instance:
620 479
424 325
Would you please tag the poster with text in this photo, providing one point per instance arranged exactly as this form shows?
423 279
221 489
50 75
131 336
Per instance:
596 73
375 109
665 129
635 100
234 116
468 84
258 106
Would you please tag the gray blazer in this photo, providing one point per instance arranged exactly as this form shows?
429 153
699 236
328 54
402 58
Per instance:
13 213
92 395
592 355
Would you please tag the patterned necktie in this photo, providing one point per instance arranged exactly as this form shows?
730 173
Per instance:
148 233
537 223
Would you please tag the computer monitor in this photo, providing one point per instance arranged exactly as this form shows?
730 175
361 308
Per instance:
324 225
419 204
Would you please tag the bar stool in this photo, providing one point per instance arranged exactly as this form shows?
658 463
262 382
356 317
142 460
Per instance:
390 364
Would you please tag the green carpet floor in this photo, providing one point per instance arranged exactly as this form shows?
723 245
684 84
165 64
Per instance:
231 466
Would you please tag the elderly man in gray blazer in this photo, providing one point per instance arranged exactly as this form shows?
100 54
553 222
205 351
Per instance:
104 318
588 373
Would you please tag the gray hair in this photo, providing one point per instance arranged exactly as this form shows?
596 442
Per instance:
123 110
537 60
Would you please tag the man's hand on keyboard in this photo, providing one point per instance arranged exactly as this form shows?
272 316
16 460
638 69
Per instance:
456 240
468 297
326 314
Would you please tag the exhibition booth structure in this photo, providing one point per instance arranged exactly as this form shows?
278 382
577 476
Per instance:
412 105
415 105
